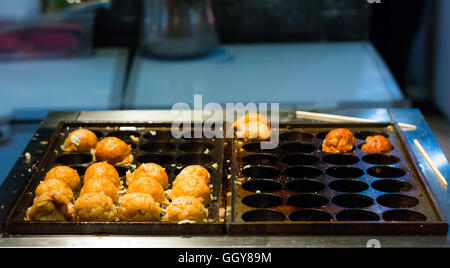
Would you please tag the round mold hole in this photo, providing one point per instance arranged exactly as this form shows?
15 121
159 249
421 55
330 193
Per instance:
397 201
310 215
385 172
340 159
357 215
74 159
98 133
353 201
391 186
255 147
197 134
157 147
261 172
348 186
296 147
196 147
263 186
124 135
305 186
300 159
301 172
380 159
263 215
295 136
260 159
262 201
307 200
160 159
403 215
322 135
158 135
364 134
122 171
195 159
344 172
80 170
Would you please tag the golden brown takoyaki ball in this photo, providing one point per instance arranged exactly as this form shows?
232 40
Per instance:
102 170
101 186
193 186
50 206
94 207
80 140
138 207
65 174
339 140
187 208
151 170
250 117
252 126
114 151
147 185
377 144
194 170
54 185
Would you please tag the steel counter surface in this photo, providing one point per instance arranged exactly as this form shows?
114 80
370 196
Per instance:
412 116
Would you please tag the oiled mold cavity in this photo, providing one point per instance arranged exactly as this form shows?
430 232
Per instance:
262 201
195 159
296 147
158 135
160 159
307 200
305 186
380 159
300 159
348 186
260 172
340 159
344 172
322 135
403 215
295 136
74 159
310 215
357 215
397 201
302 172
262 186
385 172
263 215
97 133
197 147
260 159
157 147
255 147
353 201
391 186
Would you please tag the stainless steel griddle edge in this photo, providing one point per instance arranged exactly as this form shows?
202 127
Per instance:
410 116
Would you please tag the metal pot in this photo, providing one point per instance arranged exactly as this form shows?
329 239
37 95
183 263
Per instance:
178 28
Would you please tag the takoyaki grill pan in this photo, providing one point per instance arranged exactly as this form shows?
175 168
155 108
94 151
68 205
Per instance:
298 189
156 145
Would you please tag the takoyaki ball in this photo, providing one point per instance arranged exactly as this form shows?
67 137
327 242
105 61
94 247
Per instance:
194 170
377 144
193 186
65 174
138 207
339 140
50 206
102 170
186 208
80 140
254 130
147 185
54 185
114 151
94 207
250 117
101 186
151 170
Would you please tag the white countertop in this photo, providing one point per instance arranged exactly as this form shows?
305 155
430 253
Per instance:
299 75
